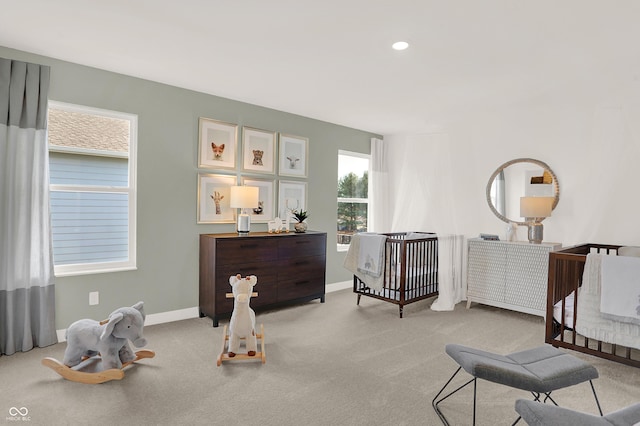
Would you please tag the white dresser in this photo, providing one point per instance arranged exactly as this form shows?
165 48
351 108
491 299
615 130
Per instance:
510 275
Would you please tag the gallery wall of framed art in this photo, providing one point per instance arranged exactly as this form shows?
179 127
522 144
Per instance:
229 155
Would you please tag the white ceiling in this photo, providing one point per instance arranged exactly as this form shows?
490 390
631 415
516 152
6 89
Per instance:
331 59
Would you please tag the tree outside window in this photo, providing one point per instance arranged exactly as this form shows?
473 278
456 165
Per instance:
353 202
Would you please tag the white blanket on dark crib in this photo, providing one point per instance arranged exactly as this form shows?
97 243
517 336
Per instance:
620 284
371 254
589 320
351 263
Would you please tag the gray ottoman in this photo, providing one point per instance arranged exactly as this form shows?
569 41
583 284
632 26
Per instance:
536 414
539 370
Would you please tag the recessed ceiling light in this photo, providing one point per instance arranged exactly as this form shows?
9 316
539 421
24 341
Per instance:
400 45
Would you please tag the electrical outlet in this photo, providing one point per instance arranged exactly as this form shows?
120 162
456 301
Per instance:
94 298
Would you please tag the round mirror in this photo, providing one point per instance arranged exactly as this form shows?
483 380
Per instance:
522 177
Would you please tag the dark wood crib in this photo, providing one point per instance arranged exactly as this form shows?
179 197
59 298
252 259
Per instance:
566 267
410 270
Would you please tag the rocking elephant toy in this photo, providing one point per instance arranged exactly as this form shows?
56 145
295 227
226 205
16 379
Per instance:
86 339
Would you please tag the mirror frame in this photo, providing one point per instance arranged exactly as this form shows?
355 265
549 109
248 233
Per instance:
556 186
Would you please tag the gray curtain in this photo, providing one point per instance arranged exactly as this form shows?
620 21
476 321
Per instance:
27 292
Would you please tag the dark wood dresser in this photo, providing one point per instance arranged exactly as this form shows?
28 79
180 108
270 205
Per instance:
291 268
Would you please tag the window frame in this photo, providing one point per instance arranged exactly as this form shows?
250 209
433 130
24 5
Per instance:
367 201
130 189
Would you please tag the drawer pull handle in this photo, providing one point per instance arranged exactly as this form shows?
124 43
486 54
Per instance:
303 242
244 246
303 262
302 282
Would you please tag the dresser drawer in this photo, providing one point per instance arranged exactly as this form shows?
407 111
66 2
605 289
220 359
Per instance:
292 267
243 250
300 287
266 288
301 245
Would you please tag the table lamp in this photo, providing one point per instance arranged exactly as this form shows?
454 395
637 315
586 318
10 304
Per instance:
534 210
244 197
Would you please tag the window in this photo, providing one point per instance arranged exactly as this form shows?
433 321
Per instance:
353 202
92 165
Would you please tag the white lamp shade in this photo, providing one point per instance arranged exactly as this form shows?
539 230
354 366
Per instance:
244 197
536 206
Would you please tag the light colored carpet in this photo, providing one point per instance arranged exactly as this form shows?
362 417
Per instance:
327 364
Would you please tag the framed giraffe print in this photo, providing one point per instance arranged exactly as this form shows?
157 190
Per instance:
213 198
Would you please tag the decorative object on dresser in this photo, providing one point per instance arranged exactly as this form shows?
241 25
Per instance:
300 216
277 225
510 275
409 270
291 267
575 318
244 197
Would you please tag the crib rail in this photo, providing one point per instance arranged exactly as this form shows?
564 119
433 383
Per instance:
410 270
565 277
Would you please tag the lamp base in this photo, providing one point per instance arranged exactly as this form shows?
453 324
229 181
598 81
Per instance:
535 232
243 223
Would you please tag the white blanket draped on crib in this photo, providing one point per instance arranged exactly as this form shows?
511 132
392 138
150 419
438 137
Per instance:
371 254
620 295
351 264
589 320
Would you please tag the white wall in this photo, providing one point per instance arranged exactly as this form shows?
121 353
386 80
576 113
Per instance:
592 143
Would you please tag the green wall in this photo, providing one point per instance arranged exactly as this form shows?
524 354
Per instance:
167 237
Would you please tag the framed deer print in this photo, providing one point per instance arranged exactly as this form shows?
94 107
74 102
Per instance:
218 144
258 150
293 156
266 200
213 198
291 196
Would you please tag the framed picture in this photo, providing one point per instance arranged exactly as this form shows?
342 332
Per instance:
293 156
218 142
213 198
267 203
291 196
258 150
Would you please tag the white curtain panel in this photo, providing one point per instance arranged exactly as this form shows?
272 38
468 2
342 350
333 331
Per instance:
379 212
421 170
27 292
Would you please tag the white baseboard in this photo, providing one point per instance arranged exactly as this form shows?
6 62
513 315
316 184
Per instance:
171 316
188 313
339 286
152 319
